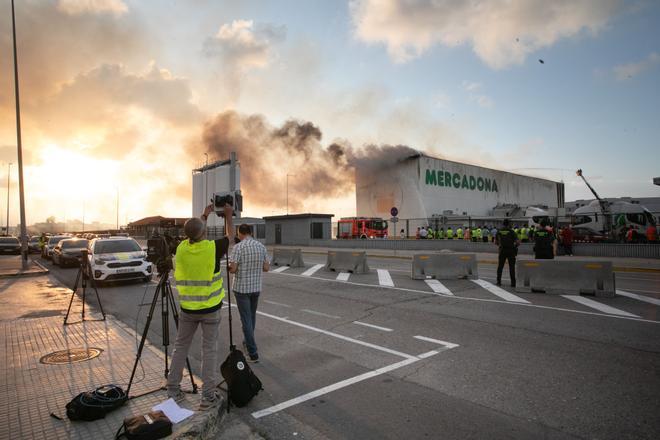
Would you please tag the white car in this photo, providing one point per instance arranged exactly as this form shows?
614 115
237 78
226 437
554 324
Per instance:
118 258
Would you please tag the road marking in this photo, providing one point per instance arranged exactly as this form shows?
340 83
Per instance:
343 276
496 301
643 291
436 341
338 336
598 306
500 292
280 269
377 327
648 299
314 312
309 272
276 303
438 287
384 278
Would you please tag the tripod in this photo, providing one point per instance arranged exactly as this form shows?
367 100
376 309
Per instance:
164 290
81 279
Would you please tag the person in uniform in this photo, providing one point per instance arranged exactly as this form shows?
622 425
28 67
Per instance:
440 234
507 241
450 233
459 233
545 243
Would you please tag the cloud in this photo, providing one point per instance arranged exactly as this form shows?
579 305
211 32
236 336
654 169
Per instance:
627 71
501 32
82 7
482 100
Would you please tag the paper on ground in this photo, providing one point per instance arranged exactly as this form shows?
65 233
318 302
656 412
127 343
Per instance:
173 411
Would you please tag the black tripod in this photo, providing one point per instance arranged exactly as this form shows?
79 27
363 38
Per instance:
84 274
164 289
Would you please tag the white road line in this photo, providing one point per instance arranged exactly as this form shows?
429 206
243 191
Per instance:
436 341
309 272
496 301
438 287
598 306
280 269
338 336
343 276
500 292
384 278
647 299
640 290
377 327
314 312
276 303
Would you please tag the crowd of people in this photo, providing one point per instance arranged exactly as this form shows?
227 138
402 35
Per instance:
477 233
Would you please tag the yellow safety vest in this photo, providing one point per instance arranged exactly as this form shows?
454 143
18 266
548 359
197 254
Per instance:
199 287
459 233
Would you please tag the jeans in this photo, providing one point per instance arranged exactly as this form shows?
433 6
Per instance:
188 323
247 308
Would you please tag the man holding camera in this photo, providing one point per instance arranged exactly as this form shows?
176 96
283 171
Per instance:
201 291
247 261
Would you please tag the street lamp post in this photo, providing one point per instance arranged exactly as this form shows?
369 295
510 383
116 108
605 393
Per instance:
8 174
287 192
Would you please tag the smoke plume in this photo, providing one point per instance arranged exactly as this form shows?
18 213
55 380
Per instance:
268 154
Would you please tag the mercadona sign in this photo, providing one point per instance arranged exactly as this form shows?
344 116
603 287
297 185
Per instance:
462 181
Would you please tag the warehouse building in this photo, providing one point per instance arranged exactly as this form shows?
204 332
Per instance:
217 177
421 186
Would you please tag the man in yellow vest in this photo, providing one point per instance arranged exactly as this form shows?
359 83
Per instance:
459 233
201 289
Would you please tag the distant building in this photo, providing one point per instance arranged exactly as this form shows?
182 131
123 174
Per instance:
298 229
147 226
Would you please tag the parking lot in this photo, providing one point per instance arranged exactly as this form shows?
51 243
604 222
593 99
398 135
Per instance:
381 355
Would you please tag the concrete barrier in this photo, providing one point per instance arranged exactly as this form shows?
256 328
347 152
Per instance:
287 257
445 266
566 277
346 261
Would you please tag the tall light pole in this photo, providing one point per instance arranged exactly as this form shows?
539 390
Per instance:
8 174
19 146
287 192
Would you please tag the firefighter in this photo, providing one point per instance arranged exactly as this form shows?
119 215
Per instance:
507 242
545 243
459 233
450 233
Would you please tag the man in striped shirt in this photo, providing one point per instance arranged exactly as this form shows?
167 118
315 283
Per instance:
247 261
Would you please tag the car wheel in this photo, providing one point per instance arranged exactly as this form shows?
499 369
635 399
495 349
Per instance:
148 279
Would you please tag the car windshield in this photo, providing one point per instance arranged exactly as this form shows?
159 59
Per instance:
378 225
9 240
55 240
112 246
68 244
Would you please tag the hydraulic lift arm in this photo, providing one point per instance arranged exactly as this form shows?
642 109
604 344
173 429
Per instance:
604 204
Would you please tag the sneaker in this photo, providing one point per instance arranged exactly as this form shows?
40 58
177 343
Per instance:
210 402
253 358
177 395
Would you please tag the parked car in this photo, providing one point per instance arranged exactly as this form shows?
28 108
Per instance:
10 245
69 251
118 258
33 244
52 242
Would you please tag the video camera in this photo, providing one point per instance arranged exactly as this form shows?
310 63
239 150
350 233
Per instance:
160 248
231 198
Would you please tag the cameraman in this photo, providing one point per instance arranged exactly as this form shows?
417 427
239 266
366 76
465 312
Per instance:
201 290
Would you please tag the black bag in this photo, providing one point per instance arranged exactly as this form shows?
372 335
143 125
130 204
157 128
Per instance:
242 383
151 426
93 405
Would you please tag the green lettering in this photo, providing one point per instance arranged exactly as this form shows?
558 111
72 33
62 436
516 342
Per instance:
456 180
480 184
447 179
465 182
473 183
494 186
430 177
487 184
440 178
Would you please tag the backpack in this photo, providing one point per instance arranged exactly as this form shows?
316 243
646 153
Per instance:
151 426
93 405
242 383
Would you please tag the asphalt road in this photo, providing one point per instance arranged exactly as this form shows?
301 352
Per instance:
356 359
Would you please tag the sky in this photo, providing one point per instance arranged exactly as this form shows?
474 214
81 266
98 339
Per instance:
121 99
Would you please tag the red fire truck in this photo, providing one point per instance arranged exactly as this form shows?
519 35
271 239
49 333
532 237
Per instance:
362 227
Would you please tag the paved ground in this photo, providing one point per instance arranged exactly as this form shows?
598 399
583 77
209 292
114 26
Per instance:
383 356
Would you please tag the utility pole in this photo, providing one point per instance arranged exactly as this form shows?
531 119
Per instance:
8 174
24 249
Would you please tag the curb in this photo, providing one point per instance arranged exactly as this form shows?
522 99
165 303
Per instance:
402 257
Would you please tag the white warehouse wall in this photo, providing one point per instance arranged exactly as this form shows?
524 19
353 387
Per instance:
206 183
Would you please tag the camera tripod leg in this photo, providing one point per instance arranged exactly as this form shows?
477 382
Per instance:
98 298
75 287
175 315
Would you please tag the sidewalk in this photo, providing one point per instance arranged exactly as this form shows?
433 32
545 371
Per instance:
31 326
11 266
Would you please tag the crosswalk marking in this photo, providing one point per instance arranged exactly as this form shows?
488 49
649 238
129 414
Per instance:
644 298
437 341
280 269
343 276
438 287
598 306
312 270
384 278
377 327
500 292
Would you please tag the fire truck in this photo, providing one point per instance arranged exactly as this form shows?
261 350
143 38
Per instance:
362 227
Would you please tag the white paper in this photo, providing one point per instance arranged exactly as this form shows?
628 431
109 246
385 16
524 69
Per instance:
173 411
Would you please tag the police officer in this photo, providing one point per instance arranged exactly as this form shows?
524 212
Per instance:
507 241
201 290
440 234
545 243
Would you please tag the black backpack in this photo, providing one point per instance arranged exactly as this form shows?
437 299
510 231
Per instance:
93 405
242 383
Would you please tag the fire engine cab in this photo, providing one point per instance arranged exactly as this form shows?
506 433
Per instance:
362 227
